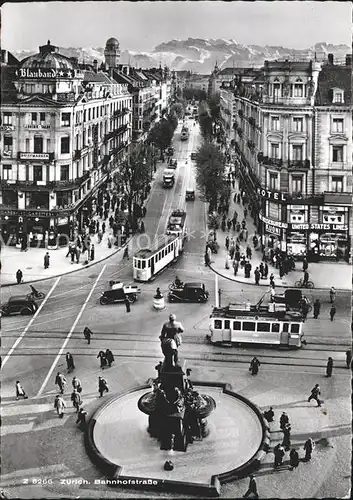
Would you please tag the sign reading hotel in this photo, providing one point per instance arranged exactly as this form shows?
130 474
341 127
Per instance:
44 73
272 195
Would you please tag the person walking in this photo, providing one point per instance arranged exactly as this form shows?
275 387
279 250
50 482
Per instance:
235 266
70 362
254 366
109 356
76 400
265 270
127 305
305 264
252 488
227 243
60 381
126 253
257 276
229 224
103 227
81 419
284 420
76 384
248 252
278 451
329 367
102 386
142 227
103 359
332 311
226 264
315 393
19 276
293 459
20 392
59 405
309 446
78 254
207 259
92 252
348 358
87 333
317 307
333 295
46 260
286 437
272 280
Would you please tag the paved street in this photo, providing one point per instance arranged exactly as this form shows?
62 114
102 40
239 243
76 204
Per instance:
33 351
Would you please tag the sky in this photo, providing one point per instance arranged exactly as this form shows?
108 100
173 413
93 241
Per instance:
143 25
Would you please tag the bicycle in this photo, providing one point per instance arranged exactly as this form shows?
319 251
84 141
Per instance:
300 284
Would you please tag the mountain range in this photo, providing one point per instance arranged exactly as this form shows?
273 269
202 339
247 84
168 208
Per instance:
200 55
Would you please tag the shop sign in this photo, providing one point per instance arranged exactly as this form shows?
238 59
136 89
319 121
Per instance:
34 156
295 227
272 195
334 227
62 221
272 229
271 222
27 214
44 73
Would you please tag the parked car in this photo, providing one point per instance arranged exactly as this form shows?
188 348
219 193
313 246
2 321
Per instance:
190 194
19 304
170 151
189 292
193 155
118 292
173 163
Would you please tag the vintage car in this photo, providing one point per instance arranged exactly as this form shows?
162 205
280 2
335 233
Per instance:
193 155
170 151
19 304
173 163
118 292
188 292
190 194
293 298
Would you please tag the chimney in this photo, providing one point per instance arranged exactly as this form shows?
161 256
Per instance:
95 65
330 59
348 59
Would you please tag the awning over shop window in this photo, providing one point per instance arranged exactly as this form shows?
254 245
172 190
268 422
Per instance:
338 199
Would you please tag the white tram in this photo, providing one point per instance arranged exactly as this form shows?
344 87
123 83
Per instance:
270 324
148 262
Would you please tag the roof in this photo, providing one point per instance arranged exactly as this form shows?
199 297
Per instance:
47 60
112 41
145 253
100 77
333 76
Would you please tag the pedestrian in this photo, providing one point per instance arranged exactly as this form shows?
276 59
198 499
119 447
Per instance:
60 381
97 226
127 304
245 213
76 384
229 224
329 367
257 276
102 386
126 253
59 405
284 420
235 266
76 400
272 280
81 419
72 253
87 333
92 252
317 306
207 259
248 252
252 489
103 227
254 366
226 265
46 260
278 451
315 393
19 276
247 269
305 264
109 356
332 311
286 443
265 270
78 254
144 211
293 459
100 237
262 270
227 242
333 295
70 362
309 445
142 227
103 359
20 391
305 278
348 358
269 414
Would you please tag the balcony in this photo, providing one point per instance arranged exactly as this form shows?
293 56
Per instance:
7 128
36 156
278 162
299 164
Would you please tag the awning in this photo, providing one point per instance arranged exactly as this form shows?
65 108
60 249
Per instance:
337 199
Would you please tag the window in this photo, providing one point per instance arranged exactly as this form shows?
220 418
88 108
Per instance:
295 328
65 119
337 125
276 90
7 118
298 124
89 114
274 150
8 141
249 326
337 96
226 322
42 117
38 144
297 152
64 172
48 145
37 173
337 153
236 325
27 145
275 328
218 324
63 198
297 183
273 182
274 211
274 122
263 327
337 184
298 90
7 172
34 117
93 113
65 145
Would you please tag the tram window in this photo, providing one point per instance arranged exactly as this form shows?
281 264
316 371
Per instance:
275 327
159 255
218 324
249 326
226 323
264 327
149 262
294 328
236 325
143 264
285 327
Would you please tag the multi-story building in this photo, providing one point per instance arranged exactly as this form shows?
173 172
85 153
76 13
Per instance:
293 166
220 78
63 130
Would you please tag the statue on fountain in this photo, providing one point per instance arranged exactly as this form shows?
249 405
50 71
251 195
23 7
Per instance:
170 342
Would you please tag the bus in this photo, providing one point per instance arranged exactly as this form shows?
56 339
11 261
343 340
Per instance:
271 325
148 262
184 133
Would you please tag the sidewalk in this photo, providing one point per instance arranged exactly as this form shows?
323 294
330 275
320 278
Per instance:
31 262
323 274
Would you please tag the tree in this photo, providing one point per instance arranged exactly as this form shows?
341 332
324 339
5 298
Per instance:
177 109
205 122
213 102
161 134
197 94
210 173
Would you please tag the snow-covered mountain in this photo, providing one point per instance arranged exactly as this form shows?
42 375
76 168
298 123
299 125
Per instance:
200 55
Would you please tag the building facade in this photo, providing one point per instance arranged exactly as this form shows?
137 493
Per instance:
63 131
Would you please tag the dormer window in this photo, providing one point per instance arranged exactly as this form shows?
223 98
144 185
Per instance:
337 96
298 88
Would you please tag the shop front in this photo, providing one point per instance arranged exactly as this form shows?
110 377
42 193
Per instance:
328 242
273 233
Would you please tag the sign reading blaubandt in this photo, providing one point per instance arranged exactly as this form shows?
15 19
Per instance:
45 73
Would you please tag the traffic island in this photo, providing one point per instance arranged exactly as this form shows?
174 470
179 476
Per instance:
118 442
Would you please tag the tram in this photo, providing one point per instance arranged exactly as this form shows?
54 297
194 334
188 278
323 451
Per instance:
148 262
271 325
176 226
